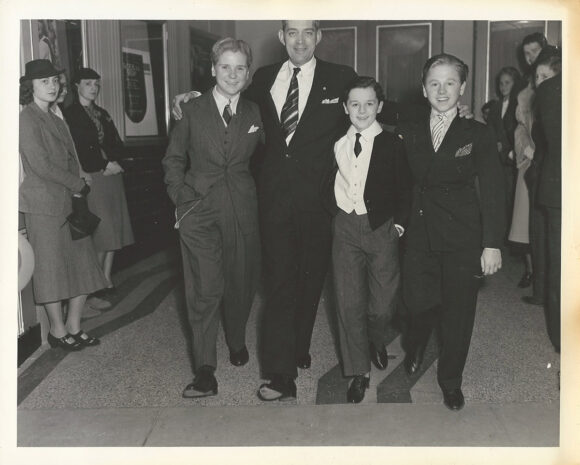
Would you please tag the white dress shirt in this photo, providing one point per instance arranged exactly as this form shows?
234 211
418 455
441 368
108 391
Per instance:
222 101
351 177
279 89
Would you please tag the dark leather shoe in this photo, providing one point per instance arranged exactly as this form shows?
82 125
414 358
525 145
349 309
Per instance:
203 385
356 390
526 280
280 388
413 360
379 358
304 362
240 357
453 399
66 342
531 300
84 339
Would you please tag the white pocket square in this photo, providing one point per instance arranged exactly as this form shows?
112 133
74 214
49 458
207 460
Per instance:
328 101
463 151
253 129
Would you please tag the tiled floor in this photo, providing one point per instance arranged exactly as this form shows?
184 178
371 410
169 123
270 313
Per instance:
127 391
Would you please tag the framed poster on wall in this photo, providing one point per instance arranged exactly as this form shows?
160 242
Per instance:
143 70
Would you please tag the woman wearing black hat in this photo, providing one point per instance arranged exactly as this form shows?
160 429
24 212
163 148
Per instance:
66 269
99 148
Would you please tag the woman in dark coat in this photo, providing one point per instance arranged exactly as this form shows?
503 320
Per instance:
65 269
502 118
99 148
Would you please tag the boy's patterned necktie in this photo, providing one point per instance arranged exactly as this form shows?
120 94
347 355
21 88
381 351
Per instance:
227 114
289 114
357 146
437 131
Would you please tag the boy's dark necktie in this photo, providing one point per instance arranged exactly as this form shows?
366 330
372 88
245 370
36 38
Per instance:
289 114
227 114
357 146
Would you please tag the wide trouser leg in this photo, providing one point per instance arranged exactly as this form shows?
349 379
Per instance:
295 251
349 271
459 288
241 260
382 254
366 280
314 251
421 284
554 274
201 248
280 268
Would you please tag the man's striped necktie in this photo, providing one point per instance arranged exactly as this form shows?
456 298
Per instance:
289 114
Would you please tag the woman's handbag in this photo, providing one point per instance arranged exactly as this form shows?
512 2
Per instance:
82 223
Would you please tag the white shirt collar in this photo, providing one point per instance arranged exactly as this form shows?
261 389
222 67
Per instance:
450 114
367 134
222 101
306 69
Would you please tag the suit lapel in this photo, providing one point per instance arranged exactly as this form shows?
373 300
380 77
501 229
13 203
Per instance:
215 124
456 136
316 91
271 106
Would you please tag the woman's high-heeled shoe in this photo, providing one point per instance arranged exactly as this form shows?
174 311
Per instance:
84 339
64 342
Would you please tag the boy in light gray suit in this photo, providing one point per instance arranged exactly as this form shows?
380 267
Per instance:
216 210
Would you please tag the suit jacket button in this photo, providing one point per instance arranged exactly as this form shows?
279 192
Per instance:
421 212
287 155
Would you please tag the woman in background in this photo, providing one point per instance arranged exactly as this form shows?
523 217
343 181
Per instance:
66 269
502 118
99 148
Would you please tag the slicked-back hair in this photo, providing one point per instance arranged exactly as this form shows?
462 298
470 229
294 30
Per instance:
364 82
231 45
446 59
315 24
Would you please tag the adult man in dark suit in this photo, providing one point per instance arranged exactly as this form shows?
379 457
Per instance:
456 225
549 126
300 132
208 178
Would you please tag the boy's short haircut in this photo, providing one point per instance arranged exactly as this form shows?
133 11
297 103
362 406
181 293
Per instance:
315 23
231 45
536 37
446 59
364 82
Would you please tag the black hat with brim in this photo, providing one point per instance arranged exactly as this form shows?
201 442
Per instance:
86 73
39 69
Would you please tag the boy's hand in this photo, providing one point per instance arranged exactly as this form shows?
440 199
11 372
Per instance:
179 99
490 261
464 111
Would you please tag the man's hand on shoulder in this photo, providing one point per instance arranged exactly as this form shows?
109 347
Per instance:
178 100
464 111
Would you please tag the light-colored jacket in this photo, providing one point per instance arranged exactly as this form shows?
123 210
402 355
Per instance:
50 163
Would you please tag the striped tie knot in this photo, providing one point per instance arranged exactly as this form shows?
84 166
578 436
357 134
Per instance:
437 131
289 114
